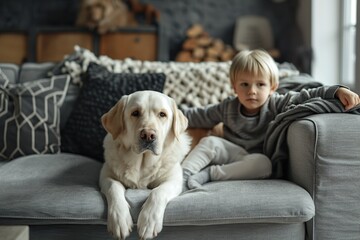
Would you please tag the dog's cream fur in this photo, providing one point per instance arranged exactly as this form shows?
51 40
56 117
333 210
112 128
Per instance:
144 147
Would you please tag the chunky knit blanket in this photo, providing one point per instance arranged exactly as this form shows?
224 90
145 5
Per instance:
190 84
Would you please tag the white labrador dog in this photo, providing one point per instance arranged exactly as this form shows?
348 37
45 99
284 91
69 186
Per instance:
144 147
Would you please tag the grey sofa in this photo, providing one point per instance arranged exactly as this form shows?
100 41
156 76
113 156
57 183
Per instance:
58 197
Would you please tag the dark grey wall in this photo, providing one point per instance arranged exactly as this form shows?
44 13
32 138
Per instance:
24 14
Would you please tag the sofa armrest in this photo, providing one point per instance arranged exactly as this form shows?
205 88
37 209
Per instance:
324 158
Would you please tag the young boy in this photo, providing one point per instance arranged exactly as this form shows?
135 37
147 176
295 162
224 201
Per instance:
246 116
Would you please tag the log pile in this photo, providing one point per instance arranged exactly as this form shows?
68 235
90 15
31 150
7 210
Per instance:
199 46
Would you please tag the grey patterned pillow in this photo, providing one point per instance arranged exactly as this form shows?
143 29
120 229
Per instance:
30 116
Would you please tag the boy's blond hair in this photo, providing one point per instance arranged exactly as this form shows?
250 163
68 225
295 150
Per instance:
257 62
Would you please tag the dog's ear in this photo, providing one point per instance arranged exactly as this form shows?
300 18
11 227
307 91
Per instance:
180 122
113 120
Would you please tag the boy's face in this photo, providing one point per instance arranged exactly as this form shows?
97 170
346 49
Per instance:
252 91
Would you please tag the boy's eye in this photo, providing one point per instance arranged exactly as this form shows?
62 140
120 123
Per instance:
262 84
243 84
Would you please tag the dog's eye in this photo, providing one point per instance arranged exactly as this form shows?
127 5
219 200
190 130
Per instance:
135 113
162 114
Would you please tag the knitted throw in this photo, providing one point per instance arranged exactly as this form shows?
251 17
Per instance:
189 84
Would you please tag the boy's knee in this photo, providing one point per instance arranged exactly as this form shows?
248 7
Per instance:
265 165
210 141
262 163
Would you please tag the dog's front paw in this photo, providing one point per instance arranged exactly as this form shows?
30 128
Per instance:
150 222
119 222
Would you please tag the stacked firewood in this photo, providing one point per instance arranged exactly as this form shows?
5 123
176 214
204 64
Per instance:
199 46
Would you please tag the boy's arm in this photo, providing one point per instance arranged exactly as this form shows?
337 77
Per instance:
324 92
347 97
206 117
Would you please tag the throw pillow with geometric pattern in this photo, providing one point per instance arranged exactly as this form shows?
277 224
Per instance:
30 116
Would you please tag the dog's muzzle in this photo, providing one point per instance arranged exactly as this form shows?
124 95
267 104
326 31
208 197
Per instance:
148 140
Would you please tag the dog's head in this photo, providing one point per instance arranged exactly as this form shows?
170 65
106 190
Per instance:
95 10
145 121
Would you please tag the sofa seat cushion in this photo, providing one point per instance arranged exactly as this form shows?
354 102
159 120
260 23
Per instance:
55 188
229 202
63 188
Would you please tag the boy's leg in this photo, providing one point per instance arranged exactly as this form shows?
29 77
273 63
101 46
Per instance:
199 157
251 166
198 179
212 150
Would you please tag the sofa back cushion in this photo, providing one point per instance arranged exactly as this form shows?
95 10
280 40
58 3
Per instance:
11 71
33 71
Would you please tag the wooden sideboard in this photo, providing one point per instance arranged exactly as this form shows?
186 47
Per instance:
53 43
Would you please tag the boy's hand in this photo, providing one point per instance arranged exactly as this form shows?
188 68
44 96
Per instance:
347 97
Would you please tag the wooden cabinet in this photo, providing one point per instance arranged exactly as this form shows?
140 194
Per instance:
13 47
53 43
52 46
142 46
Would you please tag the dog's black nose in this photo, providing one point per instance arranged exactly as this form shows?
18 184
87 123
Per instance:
148 135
